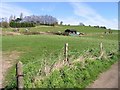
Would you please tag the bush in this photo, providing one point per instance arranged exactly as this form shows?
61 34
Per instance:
4 24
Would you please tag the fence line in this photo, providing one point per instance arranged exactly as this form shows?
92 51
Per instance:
19 65
25 65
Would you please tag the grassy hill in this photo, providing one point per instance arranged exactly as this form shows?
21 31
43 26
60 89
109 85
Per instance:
42 28
35 49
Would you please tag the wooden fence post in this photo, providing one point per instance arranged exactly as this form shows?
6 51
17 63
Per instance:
101 48
66 53
101 51
19 73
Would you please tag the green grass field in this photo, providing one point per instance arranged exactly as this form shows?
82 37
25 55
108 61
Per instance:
37 48
84 29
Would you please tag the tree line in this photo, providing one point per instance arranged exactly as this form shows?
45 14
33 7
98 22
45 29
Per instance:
33 20
28 21
41 20
22 24
100 27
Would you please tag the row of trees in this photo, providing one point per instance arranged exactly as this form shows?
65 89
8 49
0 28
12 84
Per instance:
32 21
13 18
23 24
42 20
100 27
13 24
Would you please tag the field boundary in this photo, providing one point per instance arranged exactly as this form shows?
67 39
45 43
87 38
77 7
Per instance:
57 65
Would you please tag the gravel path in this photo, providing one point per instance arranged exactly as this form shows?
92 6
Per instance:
108 79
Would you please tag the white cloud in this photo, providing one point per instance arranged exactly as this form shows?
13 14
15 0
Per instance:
7 9
90 16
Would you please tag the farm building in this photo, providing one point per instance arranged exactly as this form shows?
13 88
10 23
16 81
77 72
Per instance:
71 32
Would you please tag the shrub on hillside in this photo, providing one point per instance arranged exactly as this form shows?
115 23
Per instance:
4 24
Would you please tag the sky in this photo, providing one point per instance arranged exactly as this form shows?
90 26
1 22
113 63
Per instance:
73 13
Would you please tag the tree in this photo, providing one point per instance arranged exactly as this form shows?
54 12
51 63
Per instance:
43 20
11 18
68 24
96 26
4 24
14 17
56 23
18 20
61 23
18 25
103 27
21 16
81 24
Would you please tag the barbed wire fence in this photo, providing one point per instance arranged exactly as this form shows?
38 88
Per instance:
42 63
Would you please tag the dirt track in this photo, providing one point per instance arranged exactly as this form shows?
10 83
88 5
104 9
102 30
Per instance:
6 61
108 79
